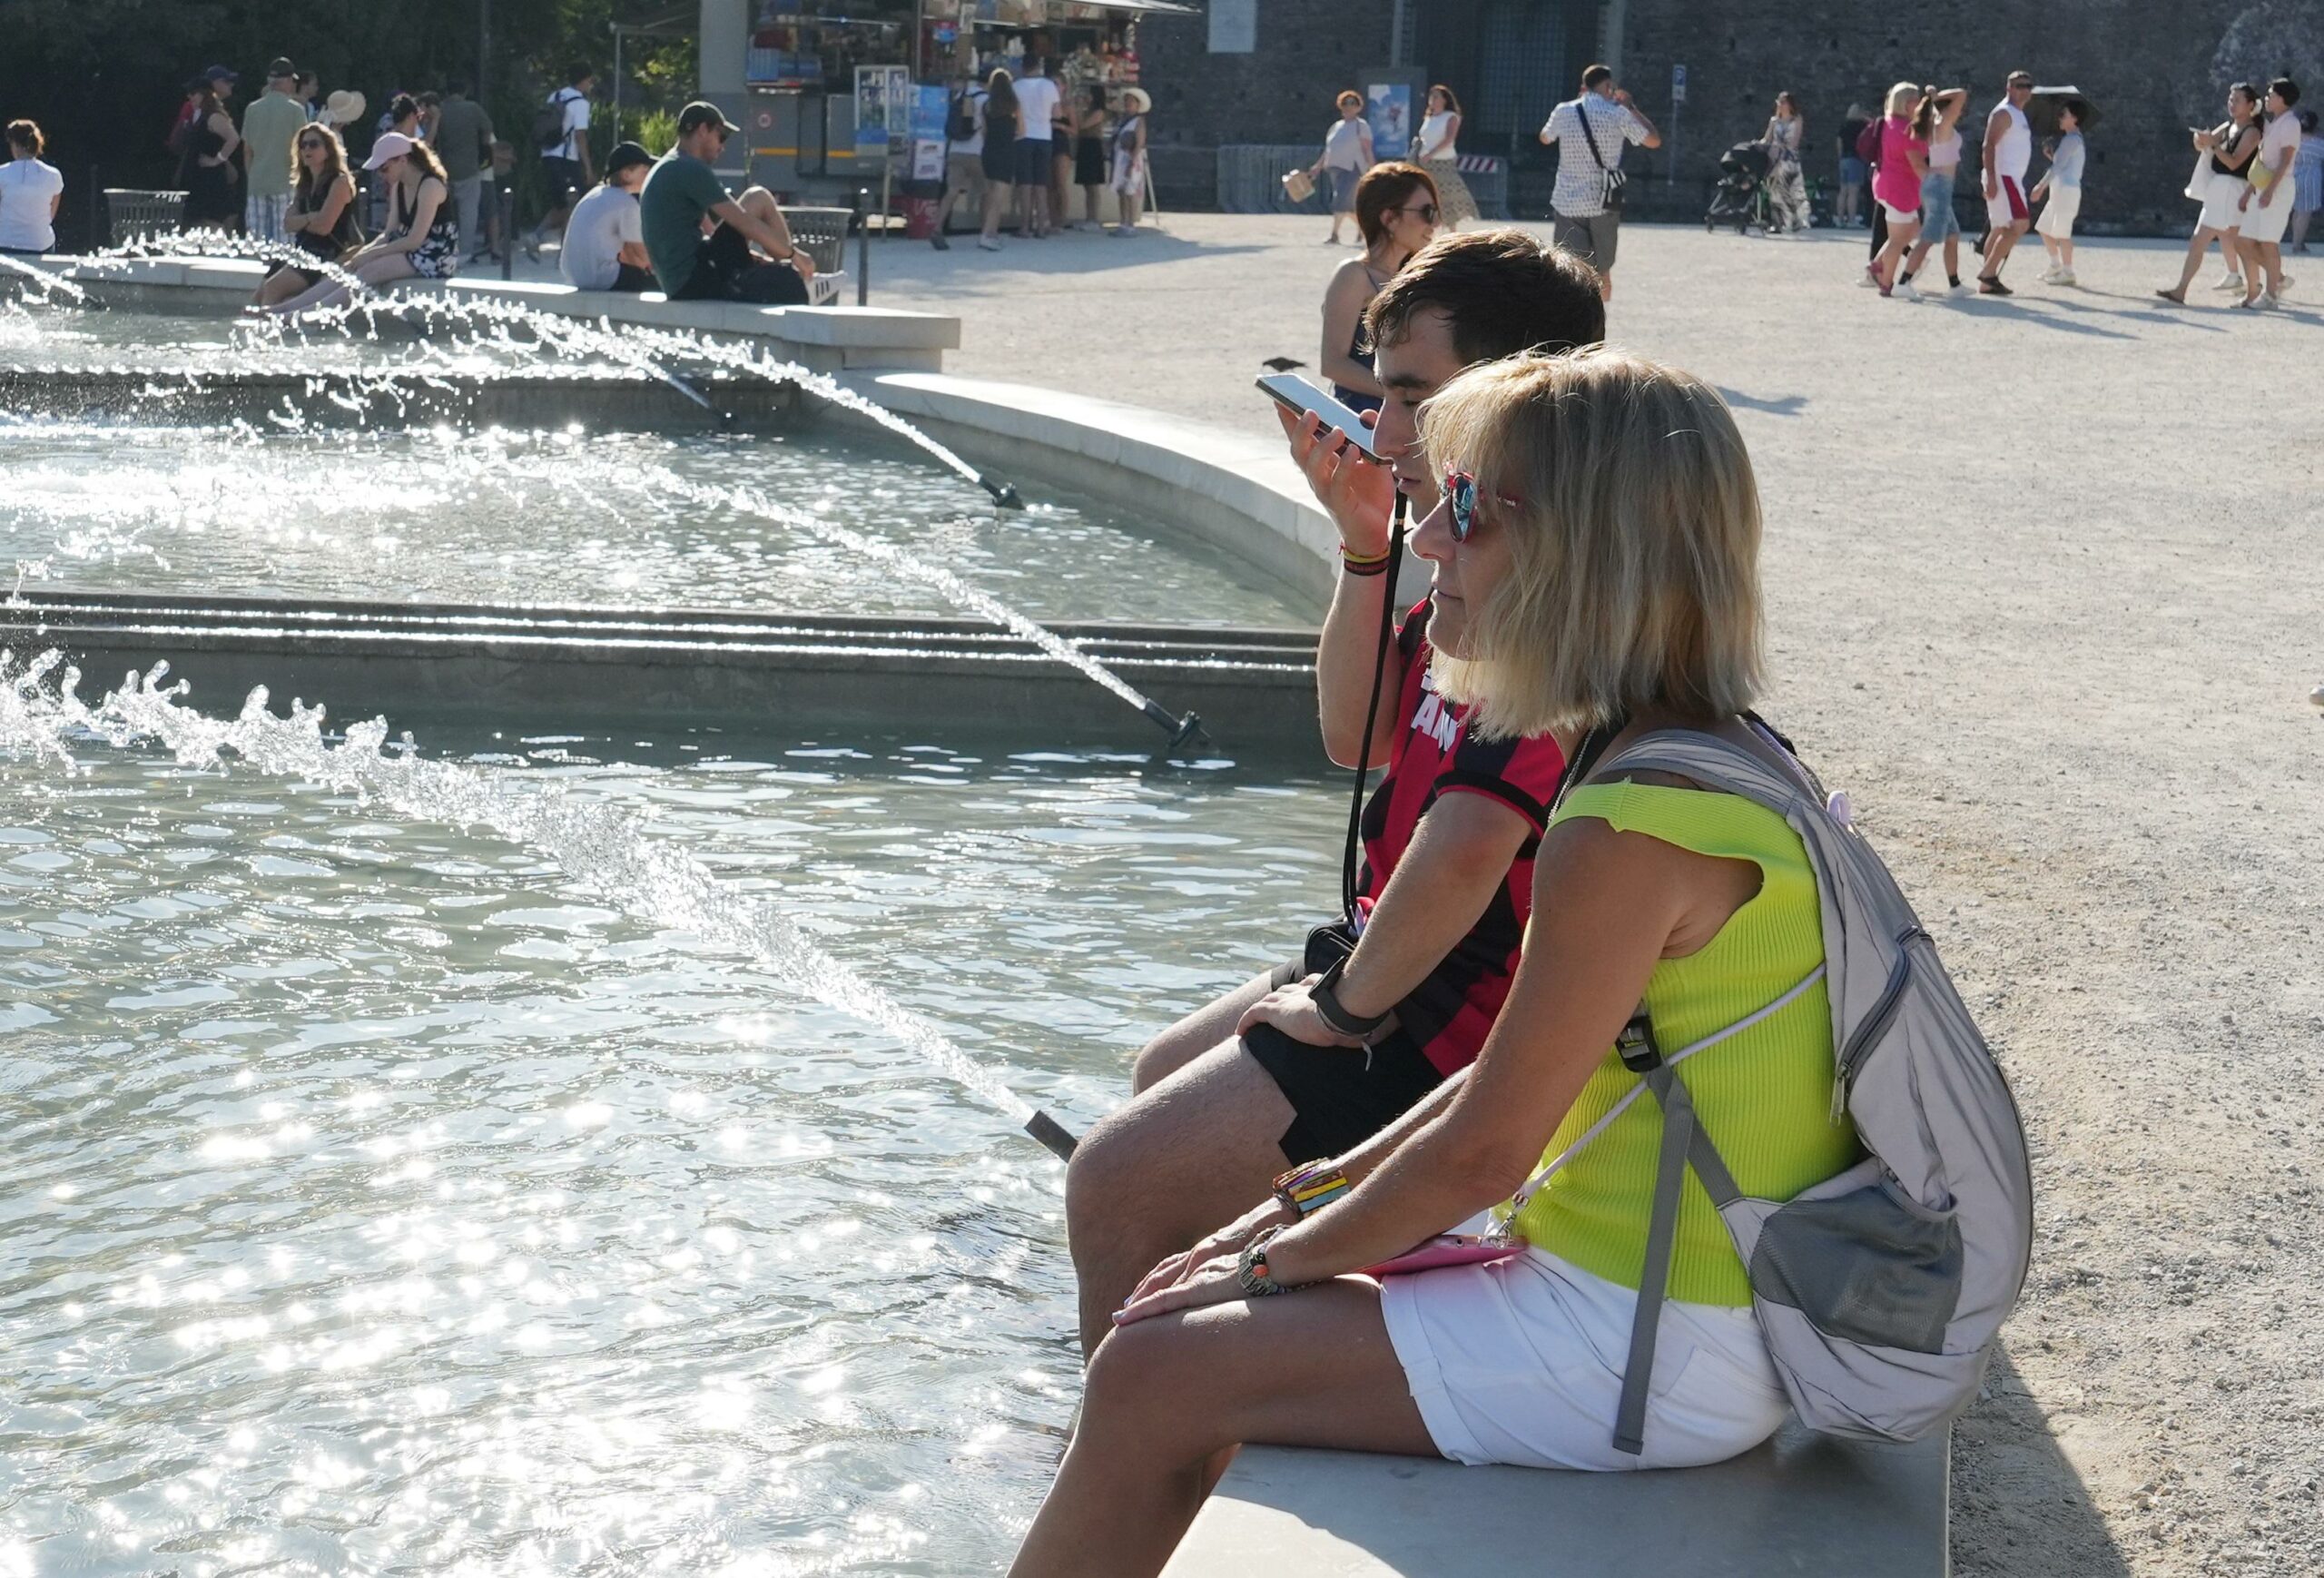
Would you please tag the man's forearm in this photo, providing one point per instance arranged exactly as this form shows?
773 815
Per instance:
1347 658
1459 857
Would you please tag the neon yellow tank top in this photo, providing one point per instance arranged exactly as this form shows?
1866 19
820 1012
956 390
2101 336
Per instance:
1764 1096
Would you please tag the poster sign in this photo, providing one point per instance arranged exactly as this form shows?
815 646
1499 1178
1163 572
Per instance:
930 104
882 109
1388 107
1678 84
1233 26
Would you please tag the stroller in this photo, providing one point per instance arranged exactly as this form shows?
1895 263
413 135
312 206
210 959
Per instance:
1739 197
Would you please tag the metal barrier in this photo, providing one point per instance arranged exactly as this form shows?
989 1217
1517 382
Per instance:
133 216
1250 178
1486 176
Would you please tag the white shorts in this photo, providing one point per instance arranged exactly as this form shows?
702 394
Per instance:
2265 223
2058 212
2006 206
2220 200
1521 1362
1901 215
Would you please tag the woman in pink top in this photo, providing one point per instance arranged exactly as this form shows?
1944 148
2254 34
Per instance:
1896 186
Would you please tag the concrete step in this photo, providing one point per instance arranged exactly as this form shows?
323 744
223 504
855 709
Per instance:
1801 1505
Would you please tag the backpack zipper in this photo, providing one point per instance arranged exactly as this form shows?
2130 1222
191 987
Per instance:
1876 1023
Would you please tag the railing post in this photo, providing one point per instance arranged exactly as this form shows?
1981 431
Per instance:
862 247
505 200
100 229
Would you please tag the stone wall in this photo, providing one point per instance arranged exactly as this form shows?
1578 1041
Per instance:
2153 67
1307 51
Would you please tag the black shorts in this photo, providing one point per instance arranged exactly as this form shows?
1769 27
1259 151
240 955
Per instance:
1339 1096
726 270
562 178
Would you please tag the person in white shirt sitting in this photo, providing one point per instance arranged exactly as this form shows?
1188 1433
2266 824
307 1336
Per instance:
605 240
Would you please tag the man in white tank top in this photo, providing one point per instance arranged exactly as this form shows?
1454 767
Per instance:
2009 149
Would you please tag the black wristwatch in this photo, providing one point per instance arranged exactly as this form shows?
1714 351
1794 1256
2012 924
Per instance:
1334 1013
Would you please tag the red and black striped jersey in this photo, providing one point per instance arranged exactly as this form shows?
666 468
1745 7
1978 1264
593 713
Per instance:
1450 1012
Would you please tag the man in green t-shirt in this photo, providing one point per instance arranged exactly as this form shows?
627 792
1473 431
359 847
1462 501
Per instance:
269 127
700 238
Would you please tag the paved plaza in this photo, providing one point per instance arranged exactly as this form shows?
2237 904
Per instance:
2043 576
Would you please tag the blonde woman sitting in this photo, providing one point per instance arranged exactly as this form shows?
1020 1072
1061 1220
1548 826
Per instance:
1596 559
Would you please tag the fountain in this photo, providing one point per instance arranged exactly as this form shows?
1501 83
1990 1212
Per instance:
535 1142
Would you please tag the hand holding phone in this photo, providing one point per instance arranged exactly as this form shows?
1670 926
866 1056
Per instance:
1301 397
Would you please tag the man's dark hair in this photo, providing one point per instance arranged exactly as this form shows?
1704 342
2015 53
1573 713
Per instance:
1593 75
576 73
2284 88
457 86
1503 292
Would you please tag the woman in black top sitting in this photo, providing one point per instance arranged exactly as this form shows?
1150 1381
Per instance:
321 221
423 233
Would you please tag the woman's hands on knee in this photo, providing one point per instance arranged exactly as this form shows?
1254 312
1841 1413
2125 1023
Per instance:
1226 1242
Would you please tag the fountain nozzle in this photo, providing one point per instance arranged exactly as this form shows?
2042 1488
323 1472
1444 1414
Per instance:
1004 494
1051 1134
1182 730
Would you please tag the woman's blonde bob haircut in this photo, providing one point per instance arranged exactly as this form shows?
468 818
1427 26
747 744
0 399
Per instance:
1632 526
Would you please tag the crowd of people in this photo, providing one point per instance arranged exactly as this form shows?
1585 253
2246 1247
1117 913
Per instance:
1016 146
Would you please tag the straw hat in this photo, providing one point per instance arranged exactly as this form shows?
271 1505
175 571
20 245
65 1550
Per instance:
1135 102
344 107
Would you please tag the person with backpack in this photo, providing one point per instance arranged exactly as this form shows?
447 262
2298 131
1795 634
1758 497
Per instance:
1720 983
1590 132
963 157
561 137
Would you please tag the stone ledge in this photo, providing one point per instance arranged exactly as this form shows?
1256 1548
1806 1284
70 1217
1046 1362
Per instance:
1801 1505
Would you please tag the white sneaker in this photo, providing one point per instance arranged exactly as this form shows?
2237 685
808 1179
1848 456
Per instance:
2264 303
1904 291
2228 282
2065 277
989 243
1869 280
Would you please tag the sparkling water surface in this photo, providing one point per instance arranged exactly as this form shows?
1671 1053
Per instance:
559 518
379 1198
381 1195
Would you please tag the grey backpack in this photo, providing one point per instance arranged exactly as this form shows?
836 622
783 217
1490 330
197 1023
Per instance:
1879 1291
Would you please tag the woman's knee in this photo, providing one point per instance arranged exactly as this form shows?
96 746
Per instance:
1156 1380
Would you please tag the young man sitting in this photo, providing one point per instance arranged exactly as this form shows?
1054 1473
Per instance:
701 240
1287 1069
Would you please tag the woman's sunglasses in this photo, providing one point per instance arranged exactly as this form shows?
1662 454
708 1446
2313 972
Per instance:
1427 212
1461 503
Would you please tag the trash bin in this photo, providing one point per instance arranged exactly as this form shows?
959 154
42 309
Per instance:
920 218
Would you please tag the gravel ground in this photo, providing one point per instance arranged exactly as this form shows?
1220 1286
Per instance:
2041 581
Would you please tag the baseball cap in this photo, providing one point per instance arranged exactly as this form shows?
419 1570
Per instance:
280 66
703 112
389 146
218 73
626 154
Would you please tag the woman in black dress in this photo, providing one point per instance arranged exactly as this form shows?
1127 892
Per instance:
213 197
1090 165
1001 118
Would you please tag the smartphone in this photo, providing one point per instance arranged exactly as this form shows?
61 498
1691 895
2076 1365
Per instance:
1299 396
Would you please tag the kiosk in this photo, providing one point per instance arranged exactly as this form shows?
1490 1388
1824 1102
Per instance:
788 72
